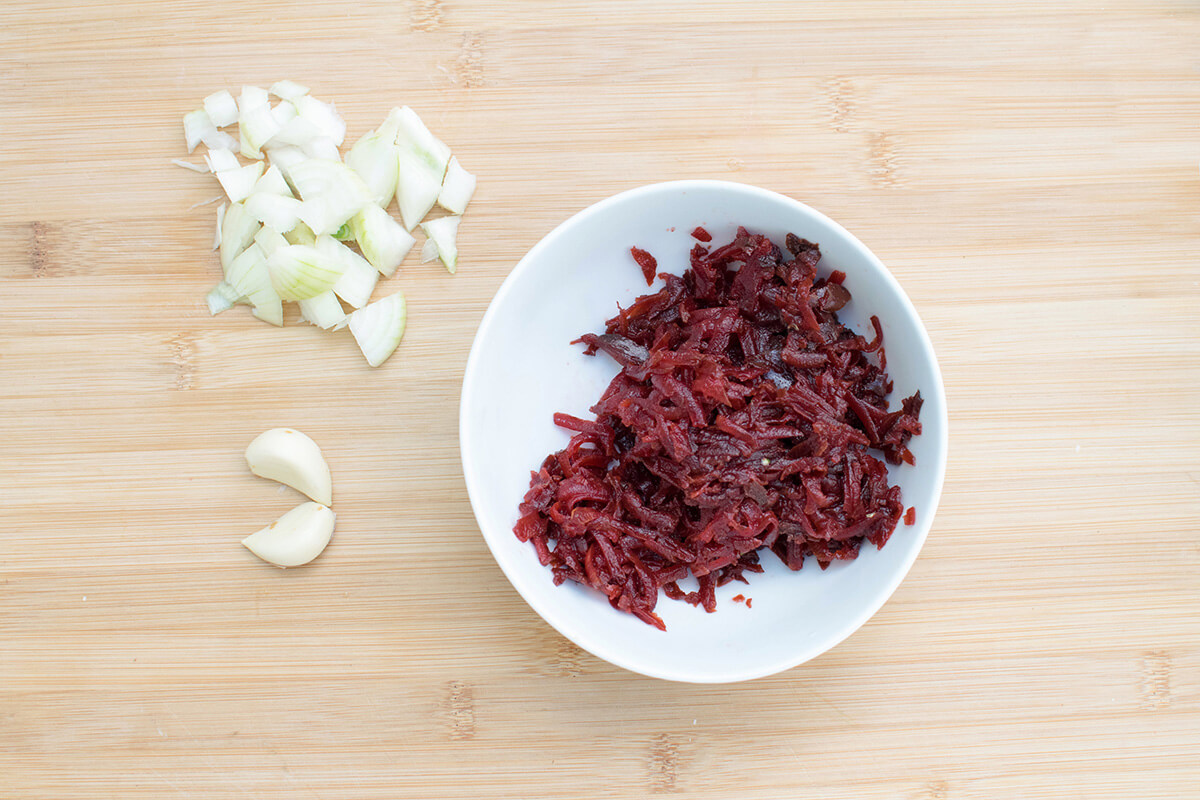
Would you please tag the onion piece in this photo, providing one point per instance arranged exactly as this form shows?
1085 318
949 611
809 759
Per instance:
323 115
197 125
217 140
220 220
379 327
237 232
221 159
412 135
297 131
252 97
285 157
331 191
222 298
269 240
239 183
457 188
221 108
256 126
443 233
373 157
358 281
324 310
288 90
417 187
300 271
274 210
272 182
421 162
179 162
382 239
321 147
283 112
301 234
249 276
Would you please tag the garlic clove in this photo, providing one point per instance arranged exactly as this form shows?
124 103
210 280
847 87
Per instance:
290 457
296 538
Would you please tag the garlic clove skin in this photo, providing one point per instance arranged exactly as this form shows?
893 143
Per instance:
296 538
293 459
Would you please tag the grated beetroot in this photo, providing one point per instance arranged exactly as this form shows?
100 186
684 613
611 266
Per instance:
740 420
647 262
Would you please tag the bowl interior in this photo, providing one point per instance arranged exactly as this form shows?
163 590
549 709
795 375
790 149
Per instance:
523 368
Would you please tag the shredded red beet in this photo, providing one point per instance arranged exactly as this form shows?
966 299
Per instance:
910 517
701 234
647 262
741 420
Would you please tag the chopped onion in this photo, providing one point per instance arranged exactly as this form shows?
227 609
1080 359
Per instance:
357 282
285 157
321 147
324 310
269 240
238 229
220 219
196 125
179 162
355 285
379 327
239 183
417 188
222 298
457 188
220 159
283 112
272 182
256 126
416 138
429 251
274 210
301 234
382 240
248 274
297 131
331 191
373 157
300 271
280 236
252 97
288 90
443 233
217 140
323 115
221 108
421 161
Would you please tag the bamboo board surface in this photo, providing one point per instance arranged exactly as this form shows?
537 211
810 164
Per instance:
1028 171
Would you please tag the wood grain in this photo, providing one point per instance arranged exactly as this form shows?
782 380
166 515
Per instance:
1027 170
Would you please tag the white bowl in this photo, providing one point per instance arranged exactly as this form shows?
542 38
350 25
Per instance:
523 368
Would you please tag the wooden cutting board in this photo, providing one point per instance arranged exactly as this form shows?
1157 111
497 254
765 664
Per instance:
1027 170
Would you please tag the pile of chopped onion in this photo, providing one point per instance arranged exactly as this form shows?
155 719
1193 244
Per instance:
302 225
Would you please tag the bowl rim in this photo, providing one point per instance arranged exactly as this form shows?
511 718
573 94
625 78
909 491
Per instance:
940 432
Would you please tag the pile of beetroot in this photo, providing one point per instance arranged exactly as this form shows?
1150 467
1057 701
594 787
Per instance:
741 420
